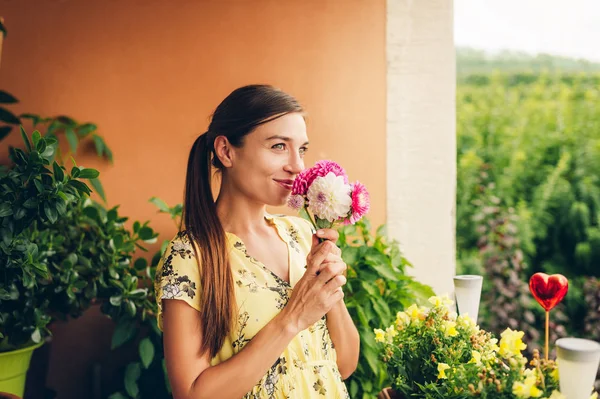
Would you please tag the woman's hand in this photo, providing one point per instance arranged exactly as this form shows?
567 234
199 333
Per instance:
321 286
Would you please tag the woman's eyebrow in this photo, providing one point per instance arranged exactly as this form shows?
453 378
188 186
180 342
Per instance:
284 138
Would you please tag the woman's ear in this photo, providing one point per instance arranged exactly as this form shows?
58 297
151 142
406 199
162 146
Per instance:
224 151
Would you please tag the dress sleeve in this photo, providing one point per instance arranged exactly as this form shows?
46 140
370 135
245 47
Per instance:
178 275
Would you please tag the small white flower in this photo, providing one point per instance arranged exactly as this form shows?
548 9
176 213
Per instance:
180 246
329 197
171 291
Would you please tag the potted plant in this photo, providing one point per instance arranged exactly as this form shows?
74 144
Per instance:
33 196
433 353
60 252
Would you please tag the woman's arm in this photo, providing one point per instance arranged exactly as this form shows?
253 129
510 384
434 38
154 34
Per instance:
345 338
191 375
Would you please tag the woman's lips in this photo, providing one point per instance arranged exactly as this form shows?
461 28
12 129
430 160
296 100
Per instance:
287 184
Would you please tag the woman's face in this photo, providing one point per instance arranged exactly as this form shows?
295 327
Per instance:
264 168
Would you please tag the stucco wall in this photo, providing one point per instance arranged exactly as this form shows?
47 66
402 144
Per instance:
421 136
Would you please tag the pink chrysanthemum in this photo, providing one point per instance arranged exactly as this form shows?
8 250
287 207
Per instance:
296 202
361 202
320 169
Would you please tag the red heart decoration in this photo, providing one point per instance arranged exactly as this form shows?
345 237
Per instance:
548 290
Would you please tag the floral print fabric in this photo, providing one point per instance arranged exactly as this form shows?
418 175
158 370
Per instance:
307 368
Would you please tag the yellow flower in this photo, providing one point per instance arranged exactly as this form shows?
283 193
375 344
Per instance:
521 390
402 319
476 358
438 301
415 312
390 333
527 388
594 395
379 335
511 343
554 373
442 367
467 323
449 328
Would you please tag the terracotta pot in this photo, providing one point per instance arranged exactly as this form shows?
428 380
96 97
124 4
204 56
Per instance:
388 393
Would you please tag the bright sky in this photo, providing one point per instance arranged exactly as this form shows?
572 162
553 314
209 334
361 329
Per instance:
562 27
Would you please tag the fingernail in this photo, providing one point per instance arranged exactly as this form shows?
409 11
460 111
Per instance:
320 233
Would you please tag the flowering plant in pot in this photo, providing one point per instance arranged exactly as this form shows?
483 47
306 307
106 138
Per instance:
433 353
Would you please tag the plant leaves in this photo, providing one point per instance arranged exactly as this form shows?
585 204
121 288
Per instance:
8 117
146 350
7 98
124 331
88 173
5 131
132 374
72 139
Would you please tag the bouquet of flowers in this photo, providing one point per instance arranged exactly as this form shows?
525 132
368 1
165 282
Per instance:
433 353
324 191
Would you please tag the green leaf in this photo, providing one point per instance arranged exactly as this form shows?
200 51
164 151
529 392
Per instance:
7 98
5 209
99 142
146 350
138 293
72 139
98 188
146 233
50 212
8 117
86 129
131 309
380 263
59 175
124 332
353 388
116 300
371 357
40 146
160 204
81 187
35 138
140 264
36 336
118 395
5 131
89 173
25 138
132 374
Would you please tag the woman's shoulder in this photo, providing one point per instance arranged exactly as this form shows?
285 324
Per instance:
181 245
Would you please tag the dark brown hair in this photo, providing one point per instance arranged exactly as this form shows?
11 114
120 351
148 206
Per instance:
238 115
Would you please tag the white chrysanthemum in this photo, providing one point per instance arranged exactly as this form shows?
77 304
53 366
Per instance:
329 197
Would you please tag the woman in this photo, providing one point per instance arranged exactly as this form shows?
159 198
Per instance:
251 304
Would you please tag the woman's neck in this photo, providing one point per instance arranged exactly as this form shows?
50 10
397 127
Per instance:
240 216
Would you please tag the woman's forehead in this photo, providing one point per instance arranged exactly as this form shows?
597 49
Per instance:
291 126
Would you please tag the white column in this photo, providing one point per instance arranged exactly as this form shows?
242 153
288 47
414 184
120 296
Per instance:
421 137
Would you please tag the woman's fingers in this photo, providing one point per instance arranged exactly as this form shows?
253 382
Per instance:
330 271
328 234
314 260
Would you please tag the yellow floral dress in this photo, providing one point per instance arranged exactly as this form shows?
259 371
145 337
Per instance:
307 367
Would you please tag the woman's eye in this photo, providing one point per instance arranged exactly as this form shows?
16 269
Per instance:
303 150
279 146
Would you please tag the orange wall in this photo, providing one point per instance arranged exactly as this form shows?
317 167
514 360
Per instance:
149 73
